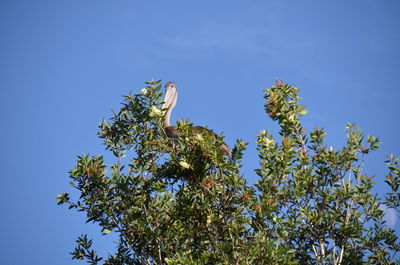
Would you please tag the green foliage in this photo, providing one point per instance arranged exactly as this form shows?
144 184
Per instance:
182 201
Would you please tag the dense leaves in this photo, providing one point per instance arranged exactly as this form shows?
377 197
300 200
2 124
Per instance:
182 201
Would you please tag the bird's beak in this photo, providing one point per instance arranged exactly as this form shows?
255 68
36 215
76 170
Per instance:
169 98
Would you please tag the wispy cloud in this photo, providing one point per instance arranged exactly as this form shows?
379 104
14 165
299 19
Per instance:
390 217
224 38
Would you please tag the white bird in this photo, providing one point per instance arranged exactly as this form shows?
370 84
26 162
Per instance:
171 97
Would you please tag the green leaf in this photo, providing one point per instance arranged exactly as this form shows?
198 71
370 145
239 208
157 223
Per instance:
106 231
303 112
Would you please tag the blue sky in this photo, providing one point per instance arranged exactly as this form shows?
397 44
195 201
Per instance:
65 64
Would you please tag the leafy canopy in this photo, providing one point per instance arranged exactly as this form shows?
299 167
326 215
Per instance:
183 201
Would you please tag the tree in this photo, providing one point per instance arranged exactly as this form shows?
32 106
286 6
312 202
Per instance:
183 201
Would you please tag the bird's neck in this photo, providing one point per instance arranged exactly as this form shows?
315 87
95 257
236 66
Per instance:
167 117
169 111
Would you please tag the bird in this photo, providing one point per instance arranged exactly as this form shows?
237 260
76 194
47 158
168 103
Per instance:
170 99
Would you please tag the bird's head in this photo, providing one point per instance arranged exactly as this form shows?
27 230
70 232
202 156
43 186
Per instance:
171 96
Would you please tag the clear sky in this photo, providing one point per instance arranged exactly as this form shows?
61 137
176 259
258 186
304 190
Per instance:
65 64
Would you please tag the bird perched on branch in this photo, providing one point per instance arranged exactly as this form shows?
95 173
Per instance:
171 97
